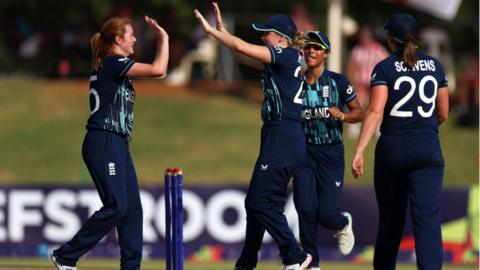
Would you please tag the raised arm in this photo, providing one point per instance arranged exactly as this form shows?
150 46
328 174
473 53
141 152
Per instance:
241 58
237 45
159 66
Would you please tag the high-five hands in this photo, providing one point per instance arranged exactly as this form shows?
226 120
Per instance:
156 29
206 26
218 18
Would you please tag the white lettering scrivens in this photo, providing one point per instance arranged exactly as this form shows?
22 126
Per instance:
421 65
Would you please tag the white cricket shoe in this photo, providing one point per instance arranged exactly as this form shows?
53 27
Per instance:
314 268
298 266
61 267
345 237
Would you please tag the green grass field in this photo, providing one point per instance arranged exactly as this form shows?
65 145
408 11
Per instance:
214 138
44 264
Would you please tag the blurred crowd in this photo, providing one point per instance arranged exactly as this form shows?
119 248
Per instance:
64 52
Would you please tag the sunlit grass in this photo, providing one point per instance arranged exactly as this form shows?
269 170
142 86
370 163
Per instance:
214 138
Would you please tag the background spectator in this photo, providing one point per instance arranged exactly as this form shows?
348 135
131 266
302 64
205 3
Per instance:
365 55
467 94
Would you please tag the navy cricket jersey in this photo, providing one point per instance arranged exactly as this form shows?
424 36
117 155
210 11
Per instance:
112 96
281 84
330 90
411 104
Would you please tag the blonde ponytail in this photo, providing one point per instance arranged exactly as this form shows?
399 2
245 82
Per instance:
299 40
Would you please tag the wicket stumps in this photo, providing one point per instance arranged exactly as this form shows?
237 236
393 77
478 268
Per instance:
174 218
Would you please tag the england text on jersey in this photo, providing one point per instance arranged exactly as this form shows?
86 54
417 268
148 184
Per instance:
315 113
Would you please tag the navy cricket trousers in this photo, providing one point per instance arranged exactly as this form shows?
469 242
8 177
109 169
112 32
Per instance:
409 172
282 149
317 190
108 160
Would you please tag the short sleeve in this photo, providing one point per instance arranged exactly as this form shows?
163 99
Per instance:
118 66
346 90
441 77
283 55
378 76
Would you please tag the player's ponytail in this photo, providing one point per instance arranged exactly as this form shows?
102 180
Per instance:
409 52
299 40
98 50
101 42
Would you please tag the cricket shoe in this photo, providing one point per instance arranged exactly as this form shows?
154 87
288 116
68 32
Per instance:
298 266
61 267
313 268
345 237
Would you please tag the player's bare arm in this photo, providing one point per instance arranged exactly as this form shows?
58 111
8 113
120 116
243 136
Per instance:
243 59
158 68
237 45
354 114
372 119
442 105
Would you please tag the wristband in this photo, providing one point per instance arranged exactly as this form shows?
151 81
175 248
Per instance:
342 117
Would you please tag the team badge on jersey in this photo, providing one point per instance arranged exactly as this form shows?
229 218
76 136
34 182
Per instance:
111 168
325 91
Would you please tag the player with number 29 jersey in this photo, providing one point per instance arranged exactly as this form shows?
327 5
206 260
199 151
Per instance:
410 93
410 107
